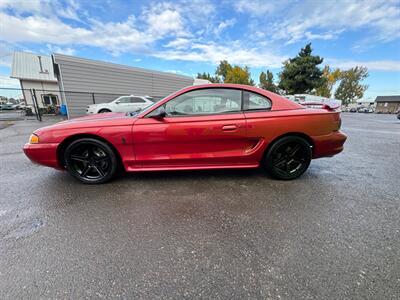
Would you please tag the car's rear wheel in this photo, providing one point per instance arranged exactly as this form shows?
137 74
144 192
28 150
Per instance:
288 158
90 160
104 110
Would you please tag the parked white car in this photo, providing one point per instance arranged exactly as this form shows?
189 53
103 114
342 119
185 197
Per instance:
122 104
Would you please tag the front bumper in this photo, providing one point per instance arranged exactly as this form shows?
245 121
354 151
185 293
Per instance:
43 154
90 111
328 145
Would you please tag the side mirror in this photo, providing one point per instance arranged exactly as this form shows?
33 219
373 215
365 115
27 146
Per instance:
117 102
159 113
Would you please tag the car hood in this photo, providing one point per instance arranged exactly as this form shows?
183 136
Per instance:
98 121
96 117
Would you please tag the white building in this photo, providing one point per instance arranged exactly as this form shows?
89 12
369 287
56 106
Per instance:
36 72
365 102
84 81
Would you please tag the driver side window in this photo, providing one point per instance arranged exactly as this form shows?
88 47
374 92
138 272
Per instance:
205 102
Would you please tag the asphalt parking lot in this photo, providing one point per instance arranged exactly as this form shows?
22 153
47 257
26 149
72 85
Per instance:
233 234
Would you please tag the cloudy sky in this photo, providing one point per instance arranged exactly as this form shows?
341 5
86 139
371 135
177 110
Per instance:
190 36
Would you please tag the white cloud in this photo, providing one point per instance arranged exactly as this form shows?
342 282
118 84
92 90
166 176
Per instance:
224 25
163 21
377 65
116 37
57 49
257 7
6 52
49 8
7 82
311 19
179 43
21 6
234 52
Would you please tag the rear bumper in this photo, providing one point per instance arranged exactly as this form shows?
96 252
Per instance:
328 145
43 154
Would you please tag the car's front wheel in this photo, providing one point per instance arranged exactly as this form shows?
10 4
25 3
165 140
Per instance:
288 158
104 110
90 160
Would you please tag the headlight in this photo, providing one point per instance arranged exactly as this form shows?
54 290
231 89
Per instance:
33 139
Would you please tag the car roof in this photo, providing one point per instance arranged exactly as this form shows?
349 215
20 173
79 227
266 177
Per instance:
279 102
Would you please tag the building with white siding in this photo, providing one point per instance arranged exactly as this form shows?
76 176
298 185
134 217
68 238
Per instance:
36 72
87 81
79 82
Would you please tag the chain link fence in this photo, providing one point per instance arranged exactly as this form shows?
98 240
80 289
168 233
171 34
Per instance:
21 103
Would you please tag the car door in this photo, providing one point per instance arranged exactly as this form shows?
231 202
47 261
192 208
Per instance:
122 104
202 128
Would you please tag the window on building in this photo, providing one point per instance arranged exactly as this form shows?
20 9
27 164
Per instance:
50 99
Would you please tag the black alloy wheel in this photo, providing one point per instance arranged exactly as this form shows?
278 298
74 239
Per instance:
102 111
288 158
90 160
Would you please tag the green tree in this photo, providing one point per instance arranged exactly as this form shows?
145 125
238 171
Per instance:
267 82
350 88
240 75
223 68
207 76
331 77
301 74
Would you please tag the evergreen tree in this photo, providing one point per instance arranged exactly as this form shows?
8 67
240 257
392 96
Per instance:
267 82
301 74
207 76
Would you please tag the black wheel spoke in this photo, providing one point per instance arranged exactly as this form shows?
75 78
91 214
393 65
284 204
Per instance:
294 150
86 170
79 158
102 159
99 170
280 162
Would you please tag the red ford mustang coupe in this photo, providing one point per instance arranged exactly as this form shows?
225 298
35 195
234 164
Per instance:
199 127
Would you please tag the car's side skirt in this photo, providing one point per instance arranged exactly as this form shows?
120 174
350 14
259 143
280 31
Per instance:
196 167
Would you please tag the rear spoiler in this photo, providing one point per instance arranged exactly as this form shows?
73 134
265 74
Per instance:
331 106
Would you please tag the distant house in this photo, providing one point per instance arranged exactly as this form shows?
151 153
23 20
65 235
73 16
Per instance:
365 102
36 72
387 104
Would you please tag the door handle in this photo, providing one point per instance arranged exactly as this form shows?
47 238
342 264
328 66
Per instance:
229 127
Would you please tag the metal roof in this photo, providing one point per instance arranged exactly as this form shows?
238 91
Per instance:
32 66
388 98
97 63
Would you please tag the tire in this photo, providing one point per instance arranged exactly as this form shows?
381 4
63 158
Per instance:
90 161
104 110
288 158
